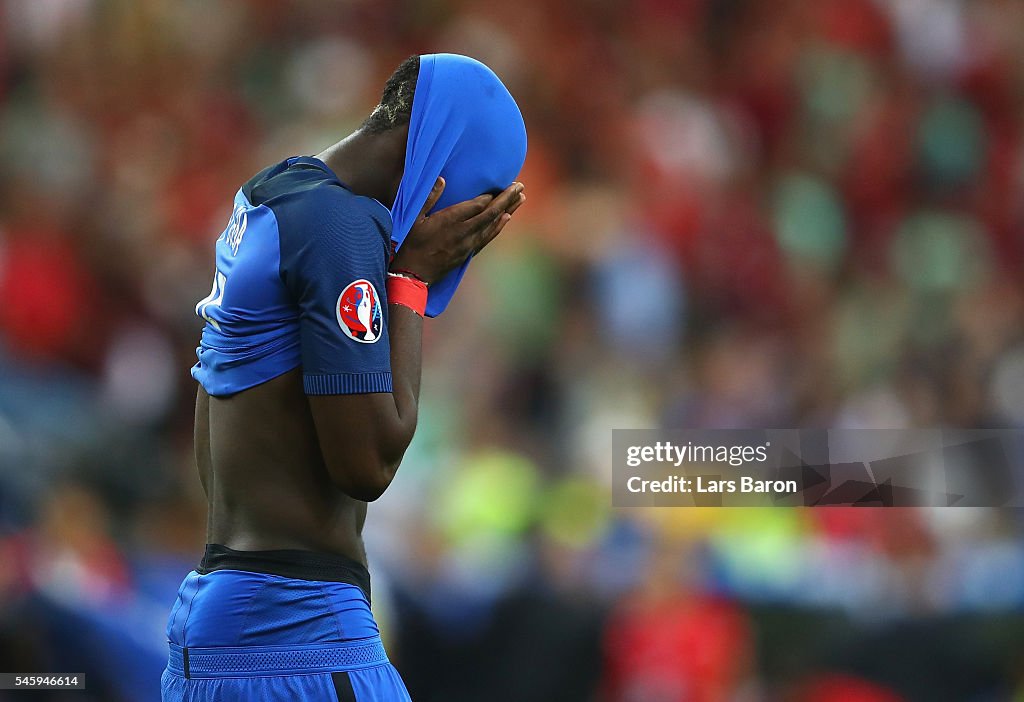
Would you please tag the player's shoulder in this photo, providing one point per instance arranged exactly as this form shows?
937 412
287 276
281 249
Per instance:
308 198
330 214
331 200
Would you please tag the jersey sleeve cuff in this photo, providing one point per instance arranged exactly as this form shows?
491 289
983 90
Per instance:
346 383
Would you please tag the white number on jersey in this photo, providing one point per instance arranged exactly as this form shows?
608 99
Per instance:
214 299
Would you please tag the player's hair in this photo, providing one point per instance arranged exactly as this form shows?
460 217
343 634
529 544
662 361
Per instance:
395 108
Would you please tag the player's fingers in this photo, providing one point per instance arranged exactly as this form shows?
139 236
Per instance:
515 205
488 235
498 206
433 197
469 209
504 217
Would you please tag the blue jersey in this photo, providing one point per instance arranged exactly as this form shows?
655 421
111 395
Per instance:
300 276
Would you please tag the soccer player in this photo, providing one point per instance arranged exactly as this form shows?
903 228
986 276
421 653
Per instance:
309 377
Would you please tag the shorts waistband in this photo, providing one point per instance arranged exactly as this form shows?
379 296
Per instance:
288 563
256 661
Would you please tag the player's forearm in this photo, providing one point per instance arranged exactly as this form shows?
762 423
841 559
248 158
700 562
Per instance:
389 435
364 437
406 334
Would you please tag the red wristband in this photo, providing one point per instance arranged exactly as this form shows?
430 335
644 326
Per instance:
408 292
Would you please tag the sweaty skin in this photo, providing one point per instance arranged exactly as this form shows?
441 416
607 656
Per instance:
283 470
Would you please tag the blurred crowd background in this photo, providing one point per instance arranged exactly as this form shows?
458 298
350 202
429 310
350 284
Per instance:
743 213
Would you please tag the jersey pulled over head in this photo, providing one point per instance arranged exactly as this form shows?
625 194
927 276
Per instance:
466 128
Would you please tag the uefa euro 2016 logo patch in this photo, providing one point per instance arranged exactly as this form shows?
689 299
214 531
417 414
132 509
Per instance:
359 313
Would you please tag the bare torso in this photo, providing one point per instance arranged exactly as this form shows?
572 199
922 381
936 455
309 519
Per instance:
264 475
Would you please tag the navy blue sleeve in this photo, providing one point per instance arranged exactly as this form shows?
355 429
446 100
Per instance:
334 259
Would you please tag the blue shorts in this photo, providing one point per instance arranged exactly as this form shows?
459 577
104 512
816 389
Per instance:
237 634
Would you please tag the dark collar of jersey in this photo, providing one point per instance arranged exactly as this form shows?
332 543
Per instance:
294 175
261 187
315 163
466 127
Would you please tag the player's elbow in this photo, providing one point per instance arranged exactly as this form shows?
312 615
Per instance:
362 460
367 481
368 491
379 464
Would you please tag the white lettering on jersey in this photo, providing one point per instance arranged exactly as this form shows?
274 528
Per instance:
236 229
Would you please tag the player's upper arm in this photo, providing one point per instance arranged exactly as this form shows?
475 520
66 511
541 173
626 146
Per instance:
334 257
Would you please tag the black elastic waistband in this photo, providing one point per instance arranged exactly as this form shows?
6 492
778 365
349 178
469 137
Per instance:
288 563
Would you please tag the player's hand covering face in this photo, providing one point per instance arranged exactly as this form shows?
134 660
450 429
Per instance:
444 240
465 127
